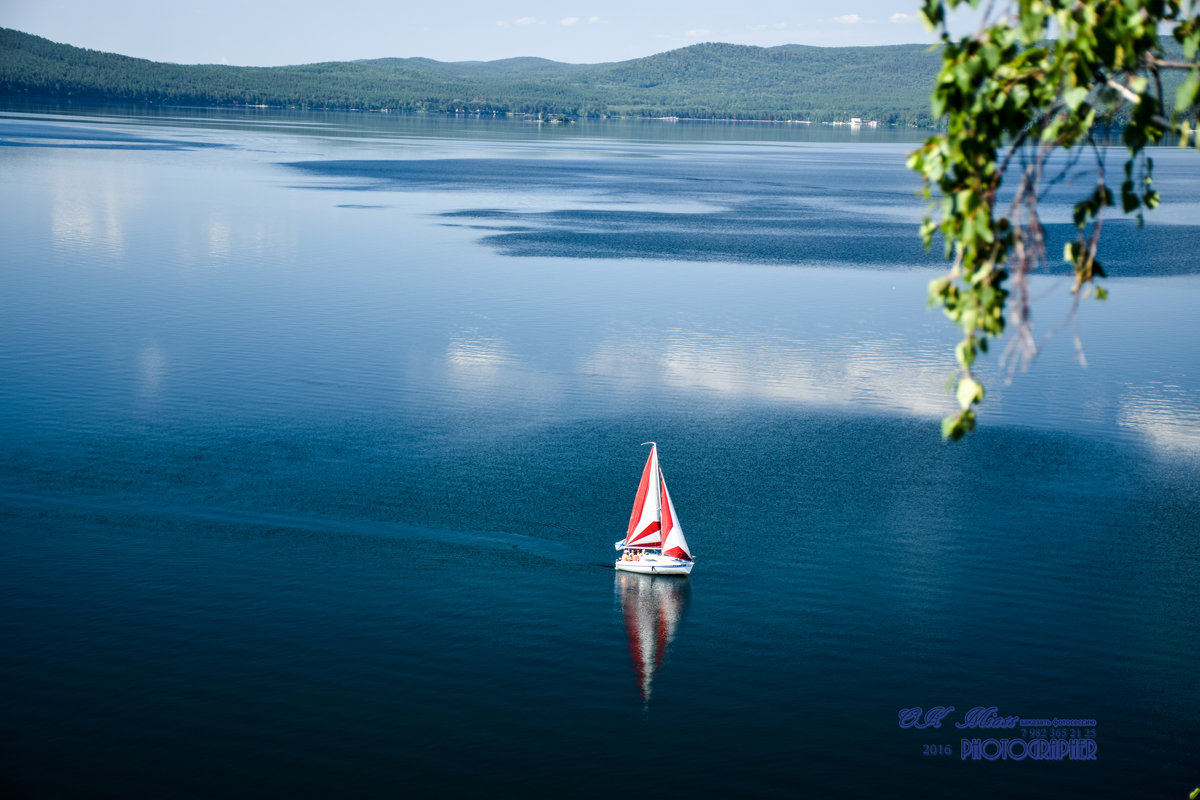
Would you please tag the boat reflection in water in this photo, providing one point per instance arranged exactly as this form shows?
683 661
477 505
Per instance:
653 608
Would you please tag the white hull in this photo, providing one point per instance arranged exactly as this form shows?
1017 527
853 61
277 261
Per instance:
657 565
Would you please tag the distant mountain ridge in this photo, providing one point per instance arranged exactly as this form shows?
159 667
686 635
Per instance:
890 83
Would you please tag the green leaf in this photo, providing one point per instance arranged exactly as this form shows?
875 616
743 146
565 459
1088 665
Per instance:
1038 79
964 353
1075 97
1080 214
1188 93
955 426
969 392
933 14
1129 198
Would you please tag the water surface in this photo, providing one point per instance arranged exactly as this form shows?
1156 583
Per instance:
318 429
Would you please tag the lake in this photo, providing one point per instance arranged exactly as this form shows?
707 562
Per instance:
318 430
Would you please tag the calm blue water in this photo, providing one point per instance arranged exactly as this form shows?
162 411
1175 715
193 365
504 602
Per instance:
317 430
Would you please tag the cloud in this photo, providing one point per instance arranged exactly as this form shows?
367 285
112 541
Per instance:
525 21
853 19
568 21
696 32
898 17
593 20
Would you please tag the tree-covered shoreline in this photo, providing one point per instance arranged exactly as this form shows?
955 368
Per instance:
705 81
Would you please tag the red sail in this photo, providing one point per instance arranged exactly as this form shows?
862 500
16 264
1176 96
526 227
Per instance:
672 532
644 524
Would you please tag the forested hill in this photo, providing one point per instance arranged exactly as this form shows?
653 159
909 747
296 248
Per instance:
890 84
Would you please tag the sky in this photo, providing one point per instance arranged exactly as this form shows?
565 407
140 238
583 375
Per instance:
279 32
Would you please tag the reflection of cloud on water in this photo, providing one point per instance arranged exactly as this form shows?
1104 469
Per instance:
219 238
881 373
1166 416
891 374
151 369
484 368
481 356
90 208
72 221
100 211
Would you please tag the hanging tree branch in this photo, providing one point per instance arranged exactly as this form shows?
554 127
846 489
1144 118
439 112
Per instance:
1009 85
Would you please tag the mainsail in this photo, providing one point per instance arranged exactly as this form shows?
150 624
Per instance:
645 523
653 523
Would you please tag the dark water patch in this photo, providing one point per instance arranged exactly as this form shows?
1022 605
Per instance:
859 564
1127 251
781 234
30 134
766 210
492 228
458 174
705 246
714 179
713 237
260 519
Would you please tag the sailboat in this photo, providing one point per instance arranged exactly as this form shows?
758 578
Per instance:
654 543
